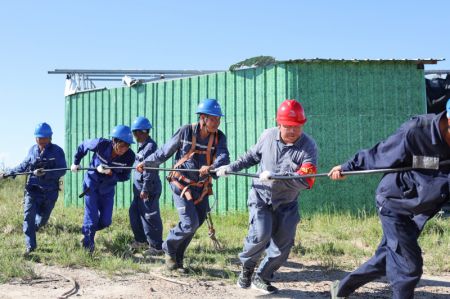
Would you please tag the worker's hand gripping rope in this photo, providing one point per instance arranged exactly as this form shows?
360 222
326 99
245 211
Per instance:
222 171
39 172
102 169
74 168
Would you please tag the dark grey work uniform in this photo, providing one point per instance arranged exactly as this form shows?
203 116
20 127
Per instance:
273 205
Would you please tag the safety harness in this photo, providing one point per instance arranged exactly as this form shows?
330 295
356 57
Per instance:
182 182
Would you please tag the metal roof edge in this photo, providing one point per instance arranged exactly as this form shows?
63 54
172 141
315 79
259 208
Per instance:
416 60
88 90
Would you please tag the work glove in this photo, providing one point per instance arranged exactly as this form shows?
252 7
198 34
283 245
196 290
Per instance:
101 168
222 171
39 172
74 168
265 176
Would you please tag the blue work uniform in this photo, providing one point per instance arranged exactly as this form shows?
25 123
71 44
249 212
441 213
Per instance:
191 215
99 188
145 217
405 201
273 205
41 192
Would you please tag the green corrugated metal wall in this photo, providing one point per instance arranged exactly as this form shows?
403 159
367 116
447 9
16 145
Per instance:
349 105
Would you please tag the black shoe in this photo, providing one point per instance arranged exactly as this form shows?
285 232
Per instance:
263 286
28 251
245 278
152 251
182 269
334 288
171 263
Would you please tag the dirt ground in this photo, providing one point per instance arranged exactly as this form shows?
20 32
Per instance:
295 280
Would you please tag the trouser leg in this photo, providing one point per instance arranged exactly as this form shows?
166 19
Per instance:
285 220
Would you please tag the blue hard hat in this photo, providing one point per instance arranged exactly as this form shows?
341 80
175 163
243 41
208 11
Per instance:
210 107
123 133
141 123
448 107
43 130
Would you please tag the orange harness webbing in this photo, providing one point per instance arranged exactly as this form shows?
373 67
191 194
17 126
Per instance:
182 182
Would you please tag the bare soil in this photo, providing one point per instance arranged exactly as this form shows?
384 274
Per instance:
295 280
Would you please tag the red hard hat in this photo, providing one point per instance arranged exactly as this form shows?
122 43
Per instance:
291 113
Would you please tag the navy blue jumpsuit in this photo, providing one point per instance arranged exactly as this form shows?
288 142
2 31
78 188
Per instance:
405 202
41 192
100 188
145 217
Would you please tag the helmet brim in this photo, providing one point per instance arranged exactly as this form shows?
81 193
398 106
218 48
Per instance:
126 141
291 123
213 114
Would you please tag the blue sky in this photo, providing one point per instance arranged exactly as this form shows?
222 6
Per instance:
38 36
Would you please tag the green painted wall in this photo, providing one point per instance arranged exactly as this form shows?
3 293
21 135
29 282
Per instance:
349 105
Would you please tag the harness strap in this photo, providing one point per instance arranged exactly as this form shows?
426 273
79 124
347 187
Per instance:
176 177
208 149
184 189
191 151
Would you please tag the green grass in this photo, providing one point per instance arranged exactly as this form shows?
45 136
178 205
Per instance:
330 239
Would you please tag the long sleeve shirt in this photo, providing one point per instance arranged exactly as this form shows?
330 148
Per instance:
181 143
148 181
102 149
419 193
272 154
52 157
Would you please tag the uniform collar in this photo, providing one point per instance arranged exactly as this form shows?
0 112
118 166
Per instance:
143 144
45 148
436 135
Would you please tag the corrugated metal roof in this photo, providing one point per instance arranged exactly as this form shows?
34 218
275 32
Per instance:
414 60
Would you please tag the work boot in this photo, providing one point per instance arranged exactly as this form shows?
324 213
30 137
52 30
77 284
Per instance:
334 288
90 248
263 286
171 263
28 251
152 251
245 278
86 246
181 269
137 246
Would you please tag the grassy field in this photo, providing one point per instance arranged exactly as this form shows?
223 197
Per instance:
332 240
